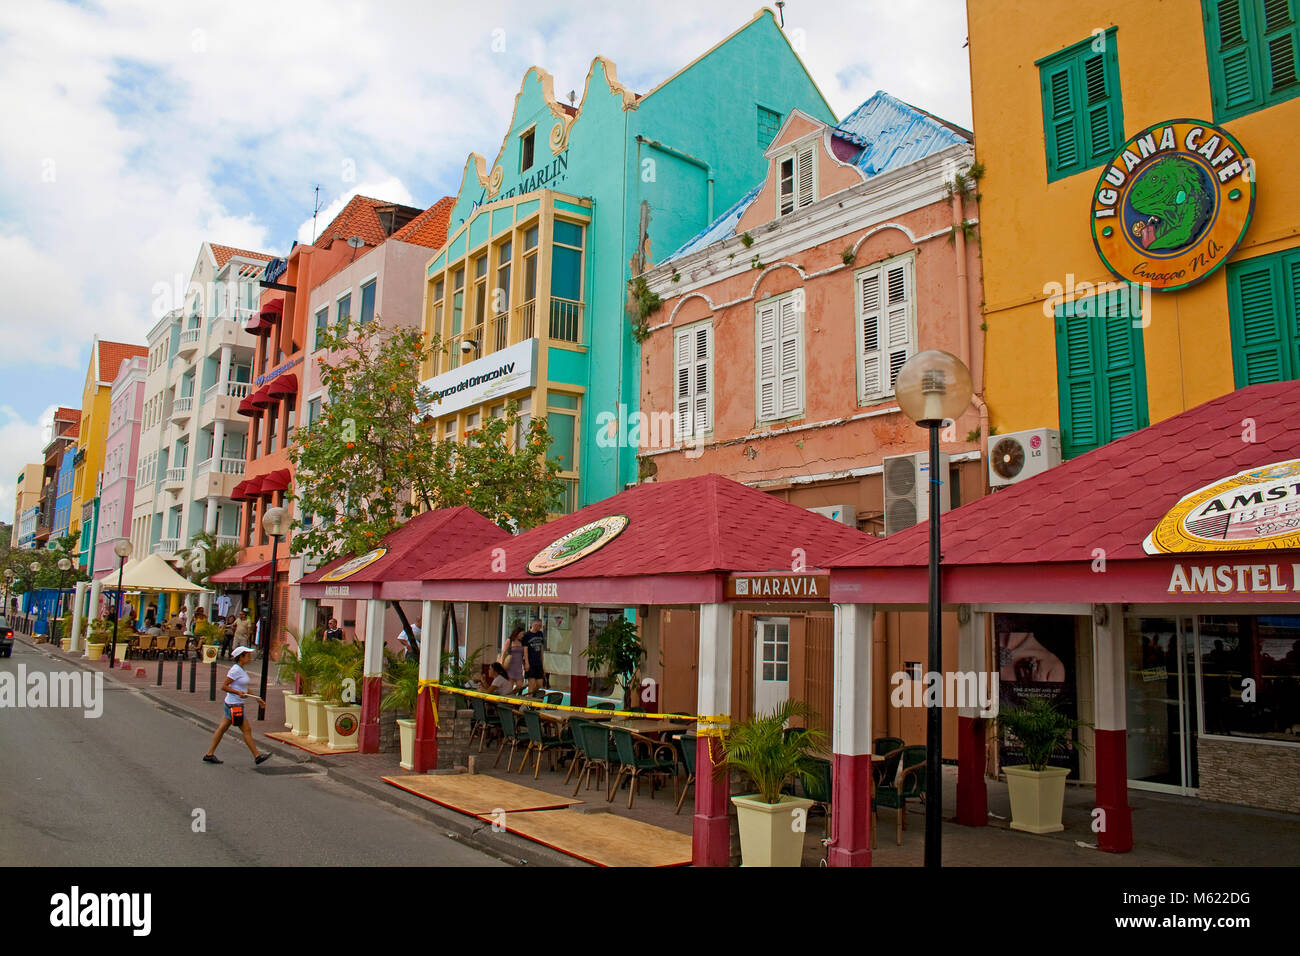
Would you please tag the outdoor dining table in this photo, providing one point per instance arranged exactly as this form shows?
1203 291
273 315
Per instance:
641 725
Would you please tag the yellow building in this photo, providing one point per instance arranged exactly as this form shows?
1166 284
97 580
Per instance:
1202 212
106 359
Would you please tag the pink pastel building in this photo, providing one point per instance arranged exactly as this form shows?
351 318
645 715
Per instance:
126 407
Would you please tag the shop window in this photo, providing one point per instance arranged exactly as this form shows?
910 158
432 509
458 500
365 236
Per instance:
1264 316
886 306
769 124
527 144
1249 672
797 179
1100 370
1083 121
780 357
343 314
322 320
449 430
525 420
1251 47
693 377
368 302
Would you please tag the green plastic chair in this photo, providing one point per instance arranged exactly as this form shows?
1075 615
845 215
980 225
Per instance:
891 748
821 788
554 697
687 744
635 767
605 705
539 743
576 724
510 734
911 785
480 723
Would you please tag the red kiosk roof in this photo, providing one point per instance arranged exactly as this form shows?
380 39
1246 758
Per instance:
1109 498
418 548
248 571
699 525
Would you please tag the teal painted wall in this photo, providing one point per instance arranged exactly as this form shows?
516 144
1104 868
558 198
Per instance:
709 112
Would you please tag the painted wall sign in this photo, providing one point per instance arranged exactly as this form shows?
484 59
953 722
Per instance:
349 568
276 372
1235 579
784 587
505 371
1253 510
577 544
1173 204
337 590
532 589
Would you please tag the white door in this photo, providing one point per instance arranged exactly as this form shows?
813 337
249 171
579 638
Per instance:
771 663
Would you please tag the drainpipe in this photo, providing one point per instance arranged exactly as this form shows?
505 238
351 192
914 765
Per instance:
963 327
687 157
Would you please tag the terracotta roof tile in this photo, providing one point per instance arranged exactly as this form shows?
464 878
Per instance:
112 354
357 218
224 254
62 414
429 228
1110 498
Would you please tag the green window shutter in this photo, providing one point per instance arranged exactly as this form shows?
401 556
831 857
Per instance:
1279 53
1083 122
1101 372
1252 47
1123 369
1262 349
1075 363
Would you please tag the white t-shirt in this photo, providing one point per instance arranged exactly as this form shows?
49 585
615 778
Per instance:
238 681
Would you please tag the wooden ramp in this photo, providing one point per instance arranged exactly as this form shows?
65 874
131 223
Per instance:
305 743
477 794
602 838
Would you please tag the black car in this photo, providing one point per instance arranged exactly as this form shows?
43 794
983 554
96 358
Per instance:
6 638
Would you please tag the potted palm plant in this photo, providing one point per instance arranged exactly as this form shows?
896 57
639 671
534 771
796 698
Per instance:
1037 791
101 632
340 683
293 666
772 756
315 660
211 637
402 684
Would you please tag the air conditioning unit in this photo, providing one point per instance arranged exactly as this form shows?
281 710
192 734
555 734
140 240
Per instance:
1022 455
906 480
844 514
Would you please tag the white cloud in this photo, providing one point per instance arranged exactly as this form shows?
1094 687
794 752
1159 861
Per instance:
21 443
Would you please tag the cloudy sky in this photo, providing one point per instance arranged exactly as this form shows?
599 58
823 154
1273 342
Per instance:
136 129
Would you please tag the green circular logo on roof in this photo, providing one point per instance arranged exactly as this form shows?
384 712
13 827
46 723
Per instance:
577 544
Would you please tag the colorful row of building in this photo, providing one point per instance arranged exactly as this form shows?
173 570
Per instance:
717 276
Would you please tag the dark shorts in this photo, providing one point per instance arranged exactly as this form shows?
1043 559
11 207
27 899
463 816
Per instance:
237 720
535 671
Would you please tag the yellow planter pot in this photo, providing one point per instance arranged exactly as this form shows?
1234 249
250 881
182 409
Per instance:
302 716
290 708
1037 798
94 651
406 737
343 723
120 649
317 729
210 653
66 644
772 834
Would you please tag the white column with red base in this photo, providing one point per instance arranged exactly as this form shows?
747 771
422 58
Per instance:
372 683
711 830
578 682
75 636
426 725
851 737
1110 730
972 794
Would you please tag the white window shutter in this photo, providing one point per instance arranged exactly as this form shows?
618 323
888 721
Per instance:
790 372
899 294
870 313
768 344
804 189
682 396
703 385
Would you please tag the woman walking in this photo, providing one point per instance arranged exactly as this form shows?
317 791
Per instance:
236 688
512 657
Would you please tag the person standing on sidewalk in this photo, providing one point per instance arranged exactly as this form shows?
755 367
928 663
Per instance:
243 628
236 688
535 646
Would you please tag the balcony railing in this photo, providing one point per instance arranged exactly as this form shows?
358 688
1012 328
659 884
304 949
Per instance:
566 320
227 539
500 331
525 316
167 546
183 406
230 466
190 339
174 476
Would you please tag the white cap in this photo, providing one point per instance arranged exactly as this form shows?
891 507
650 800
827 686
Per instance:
241 649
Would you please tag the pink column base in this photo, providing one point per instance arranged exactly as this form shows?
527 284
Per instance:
372 689
972 792
426 731
1112 790
711 829
850 810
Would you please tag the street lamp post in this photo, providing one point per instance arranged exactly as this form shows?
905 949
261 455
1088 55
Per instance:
934 387
123 551
35 568
64 566
9 583
272 524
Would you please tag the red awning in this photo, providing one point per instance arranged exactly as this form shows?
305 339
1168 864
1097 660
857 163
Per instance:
275 481
272 311
251 488
249 571
284 385
237 492
246 407
262 397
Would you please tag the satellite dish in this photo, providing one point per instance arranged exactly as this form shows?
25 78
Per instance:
356 242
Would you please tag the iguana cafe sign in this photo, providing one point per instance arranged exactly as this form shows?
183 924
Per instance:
349 568
1173 204
778 587
1253 510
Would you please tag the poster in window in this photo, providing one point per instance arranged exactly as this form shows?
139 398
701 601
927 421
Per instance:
1036 660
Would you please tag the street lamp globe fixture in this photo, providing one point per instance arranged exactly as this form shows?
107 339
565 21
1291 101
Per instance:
273 521
65 564
34 567
933 386
123 548
9 574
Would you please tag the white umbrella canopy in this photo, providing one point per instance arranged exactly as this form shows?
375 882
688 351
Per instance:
155 574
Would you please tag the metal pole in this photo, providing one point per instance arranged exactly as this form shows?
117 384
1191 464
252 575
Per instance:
117 609
180 672
212 681
194 667
934 713
160 664
266 638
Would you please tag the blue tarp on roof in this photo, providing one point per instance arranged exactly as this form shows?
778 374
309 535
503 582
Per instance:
889 133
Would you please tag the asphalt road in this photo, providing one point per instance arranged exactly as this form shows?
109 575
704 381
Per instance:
122 790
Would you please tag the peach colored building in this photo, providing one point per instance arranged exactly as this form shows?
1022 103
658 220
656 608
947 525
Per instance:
773 355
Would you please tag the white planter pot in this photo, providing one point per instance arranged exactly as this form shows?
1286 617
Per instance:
291 708
343 723
301 716
771 834
317 731
1037 798
406 736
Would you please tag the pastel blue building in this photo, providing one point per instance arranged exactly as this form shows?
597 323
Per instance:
533 293
63 494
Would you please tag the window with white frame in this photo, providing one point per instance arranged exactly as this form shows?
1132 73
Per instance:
693 375
780 357
797 179
886 313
